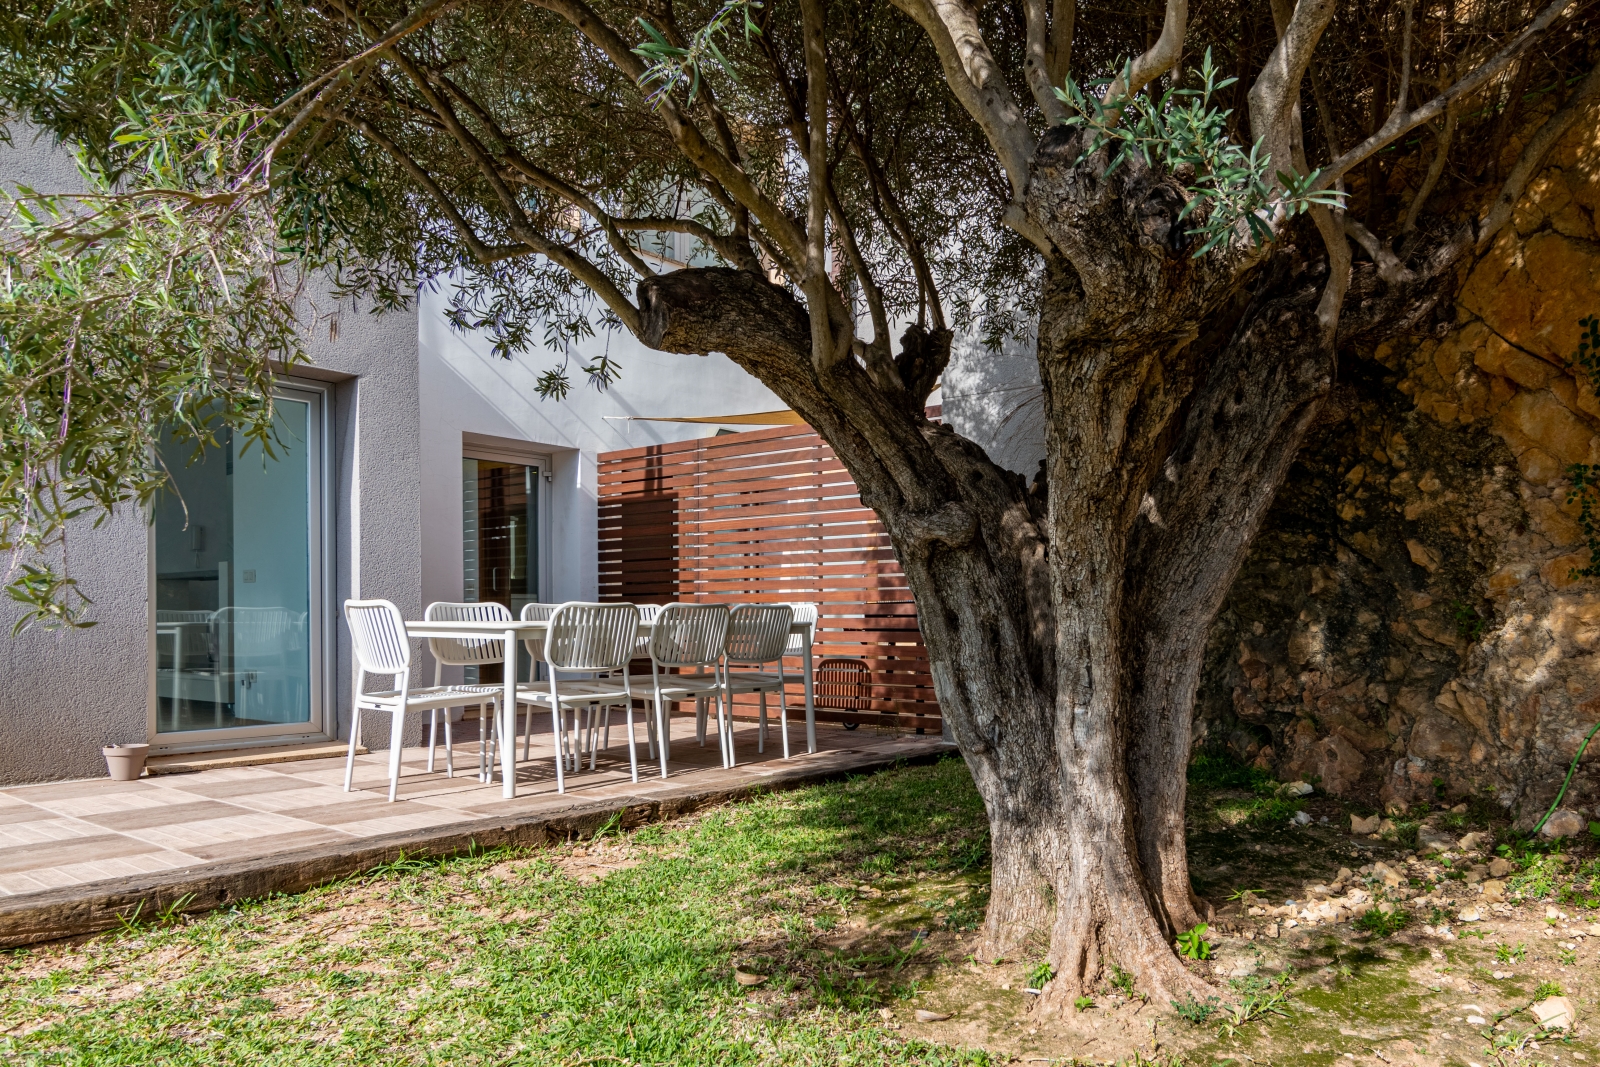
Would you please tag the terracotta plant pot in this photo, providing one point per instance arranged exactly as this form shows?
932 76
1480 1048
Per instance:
125 762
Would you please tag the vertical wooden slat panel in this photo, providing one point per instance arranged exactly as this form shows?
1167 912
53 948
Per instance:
770 515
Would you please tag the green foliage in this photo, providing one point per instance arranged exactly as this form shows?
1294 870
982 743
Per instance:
156 303
1038 976
1545 990
1183 130
1259 998
1216 770
1469 624
1192 943
1587 357
1404 833
1504 953
1383 923
671 67
1537 879
1584 477
1194 1011
1122 981
1083 1003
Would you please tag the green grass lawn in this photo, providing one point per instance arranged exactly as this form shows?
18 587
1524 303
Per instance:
621 951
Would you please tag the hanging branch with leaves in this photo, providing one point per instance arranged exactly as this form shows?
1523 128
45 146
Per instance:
1182 129
158 303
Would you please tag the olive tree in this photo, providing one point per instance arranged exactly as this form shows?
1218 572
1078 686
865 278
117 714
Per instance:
1191 252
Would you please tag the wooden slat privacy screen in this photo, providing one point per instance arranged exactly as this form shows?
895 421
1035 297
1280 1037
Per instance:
767 516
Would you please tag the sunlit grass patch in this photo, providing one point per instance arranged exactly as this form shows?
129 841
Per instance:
512 958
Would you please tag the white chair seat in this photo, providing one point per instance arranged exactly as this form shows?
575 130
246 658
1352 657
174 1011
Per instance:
437 696
752 682
575 694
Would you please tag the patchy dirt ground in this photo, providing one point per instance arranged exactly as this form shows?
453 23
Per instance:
1443 974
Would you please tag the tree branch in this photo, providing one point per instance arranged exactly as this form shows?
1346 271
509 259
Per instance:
826 349
1276 92
887 206
1038 66
1436 165
483 253
1063 21
524 230
976 80
543 178
691 142
1158 58
1399 124
1390 269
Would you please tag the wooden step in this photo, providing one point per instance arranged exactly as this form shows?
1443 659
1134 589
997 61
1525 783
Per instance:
186 762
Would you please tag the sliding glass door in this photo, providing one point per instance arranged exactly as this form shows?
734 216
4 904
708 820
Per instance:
237 591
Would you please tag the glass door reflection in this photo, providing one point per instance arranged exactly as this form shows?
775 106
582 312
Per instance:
233 581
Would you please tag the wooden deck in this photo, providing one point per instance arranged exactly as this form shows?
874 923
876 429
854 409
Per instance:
76 855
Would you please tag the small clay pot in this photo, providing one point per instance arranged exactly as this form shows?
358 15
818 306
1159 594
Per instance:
125 762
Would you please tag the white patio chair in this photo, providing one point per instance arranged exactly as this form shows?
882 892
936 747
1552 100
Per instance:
690 638
467 652
803 612
379 636
647 616
535 649
586 639
758 634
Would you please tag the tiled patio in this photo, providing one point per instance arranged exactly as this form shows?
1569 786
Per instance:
57 837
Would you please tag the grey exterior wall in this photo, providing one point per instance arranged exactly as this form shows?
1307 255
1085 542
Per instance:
67 694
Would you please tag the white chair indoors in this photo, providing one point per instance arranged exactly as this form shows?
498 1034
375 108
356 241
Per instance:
467 652
688 638
379 635
588 639
758 634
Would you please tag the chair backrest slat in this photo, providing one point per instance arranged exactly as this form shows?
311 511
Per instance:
467 651
689 635
591 637
536 613
758 633
379 635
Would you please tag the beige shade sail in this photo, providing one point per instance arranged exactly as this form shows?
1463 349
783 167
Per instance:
782 417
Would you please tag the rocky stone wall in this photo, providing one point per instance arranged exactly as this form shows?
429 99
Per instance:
1408 627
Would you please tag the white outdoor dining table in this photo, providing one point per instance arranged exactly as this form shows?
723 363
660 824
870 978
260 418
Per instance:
512 632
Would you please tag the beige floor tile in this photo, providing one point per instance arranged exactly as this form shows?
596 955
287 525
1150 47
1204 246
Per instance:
415 819
150 799
306 796
214 831
35 831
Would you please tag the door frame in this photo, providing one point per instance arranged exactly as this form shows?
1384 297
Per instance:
320 512
503 450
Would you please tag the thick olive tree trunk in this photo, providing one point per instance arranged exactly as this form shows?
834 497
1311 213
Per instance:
1066 628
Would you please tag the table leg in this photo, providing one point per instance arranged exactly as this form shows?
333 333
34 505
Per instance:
508 721
811 702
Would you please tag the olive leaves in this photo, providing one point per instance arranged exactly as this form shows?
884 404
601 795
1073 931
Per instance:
1183 129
